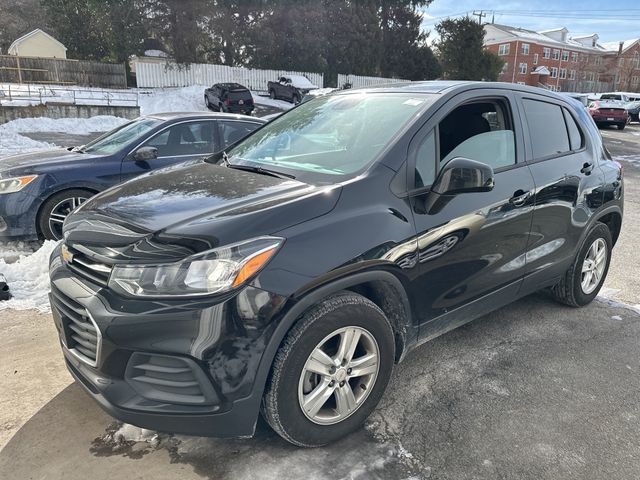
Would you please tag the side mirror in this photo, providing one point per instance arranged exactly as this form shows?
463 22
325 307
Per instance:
461 175
145 153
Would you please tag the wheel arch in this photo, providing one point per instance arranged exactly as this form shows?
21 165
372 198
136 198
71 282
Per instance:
50 194
613 220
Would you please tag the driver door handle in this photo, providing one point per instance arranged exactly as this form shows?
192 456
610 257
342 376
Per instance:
519 198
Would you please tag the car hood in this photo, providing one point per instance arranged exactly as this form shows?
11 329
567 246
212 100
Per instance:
32 161
198 206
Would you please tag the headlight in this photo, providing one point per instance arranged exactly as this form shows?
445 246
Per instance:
218 270
11 185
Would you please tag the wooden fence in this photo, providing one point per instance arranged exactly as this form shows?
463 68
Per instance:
14 69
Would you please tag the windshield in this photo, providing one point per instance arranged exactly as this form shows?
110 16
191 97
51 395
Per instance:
329 138
116 139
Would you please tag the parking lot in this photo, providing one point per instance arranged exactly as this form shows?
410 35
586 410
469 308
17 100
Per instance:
533 391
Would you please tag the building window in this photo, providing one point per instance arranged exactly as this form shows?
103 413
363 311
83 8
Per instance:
523 68
634 80
563 73
535 58
554 72
565 56
546 52
503 49
525 49
636 60
574 57
572 74
556 54
552 88
521 83
598 60
621 61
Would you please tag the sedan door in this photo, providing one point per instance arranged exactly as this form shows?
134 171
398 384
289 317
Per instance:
471 246
180 142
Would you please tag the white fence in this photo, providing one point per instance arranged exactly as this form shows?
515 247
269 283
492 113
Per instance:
173 75
358 81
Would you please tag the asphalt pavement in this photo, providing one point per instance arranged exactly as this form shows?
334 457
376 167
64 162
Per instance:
535 390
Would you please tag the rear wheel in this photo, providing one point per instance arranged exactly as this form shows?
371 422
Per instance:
296 99
584 279
330 372
272 94
207 103
621 126
56 209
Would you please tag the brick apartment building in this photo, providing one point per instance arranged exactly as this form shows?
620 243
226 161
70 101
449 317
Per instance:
551 59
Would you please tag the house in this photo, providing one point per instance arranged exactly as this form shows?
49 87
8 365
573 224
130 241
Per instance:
552 59
625 57
38 44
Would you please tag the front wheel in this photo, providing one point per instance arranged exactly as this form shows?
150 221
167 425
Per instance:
585 277
330 372
56 209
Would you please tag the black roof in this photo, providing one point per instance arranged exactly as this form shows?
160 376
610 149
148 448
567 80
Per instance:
231 86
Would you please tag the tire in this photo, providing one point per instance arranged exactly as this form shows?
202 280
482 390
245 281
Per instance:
621 126
206 102
570 289
221 108
55 209
296 99
272 94
284 393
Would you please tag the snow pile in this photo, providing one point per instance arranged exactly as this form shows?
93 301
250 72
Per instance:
185 99
28 280
76 126
131 433
281 104
12 143
11 251
608 296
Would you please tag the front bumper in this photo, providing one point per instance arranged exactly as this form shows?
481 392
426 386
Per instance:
18 213
183 367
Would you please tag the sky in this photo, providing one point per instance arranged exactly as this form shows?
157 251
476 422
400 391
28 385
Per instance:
621 21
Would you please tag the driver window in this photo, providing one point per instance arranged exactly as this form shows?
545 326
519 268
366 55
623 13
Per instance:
480 131
185 139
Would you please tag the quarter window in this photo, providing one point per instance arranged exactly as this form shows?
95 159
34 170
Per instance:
575 137
547 128
231 132
425 154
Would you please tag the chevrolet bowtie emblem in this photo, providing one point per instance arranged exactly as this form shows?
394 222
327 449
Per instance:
67 256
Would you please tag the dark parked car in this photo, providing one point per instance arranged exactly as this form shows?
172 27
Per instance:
38 190
229 97
290 274
291 88
606 113
633 110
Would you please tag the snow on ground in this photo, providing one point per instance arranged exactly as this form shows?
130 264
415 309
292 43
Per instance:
632 159
28 279
12 143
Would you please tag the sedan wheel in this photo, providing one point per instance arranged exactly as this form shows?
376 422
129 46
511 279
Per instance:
593 266
56 209
338 375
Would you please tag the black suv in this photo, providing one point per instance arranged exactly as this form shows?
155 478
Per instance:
229 97
290 273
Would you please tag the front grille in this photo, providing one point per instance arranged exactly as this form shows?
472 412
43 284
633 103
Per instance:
169 379
81 335
84 266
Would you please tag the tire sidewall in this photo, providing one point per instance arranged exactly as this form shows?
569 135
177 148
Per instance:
294 422
50 203
598 231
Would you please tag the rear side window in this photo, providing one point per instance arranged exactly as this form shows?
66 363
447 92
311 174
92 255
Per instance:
575 137
547 128
231 132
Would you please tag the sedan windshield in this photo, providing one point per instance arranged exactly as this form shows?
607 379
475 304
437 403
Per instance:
116 139
330 138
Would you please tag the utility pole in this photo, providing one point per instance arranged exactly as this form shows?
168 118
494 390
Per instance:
480 15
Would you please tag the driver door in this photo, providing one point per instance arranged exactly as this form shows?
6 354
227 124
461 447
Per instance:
180 142
471 245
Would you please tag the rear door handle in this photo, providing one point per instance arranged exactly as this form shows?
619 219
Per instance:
586 168
519 198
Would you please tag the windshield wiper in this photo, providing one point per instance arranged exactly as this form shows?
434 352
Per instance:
261 170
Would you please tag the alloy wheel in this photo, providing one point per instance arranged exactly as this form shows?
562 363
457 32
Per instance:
60 213
338 375
593 266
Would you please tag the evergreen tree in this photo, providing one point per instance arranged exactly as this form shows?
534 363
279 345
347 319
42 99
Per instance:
461 51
